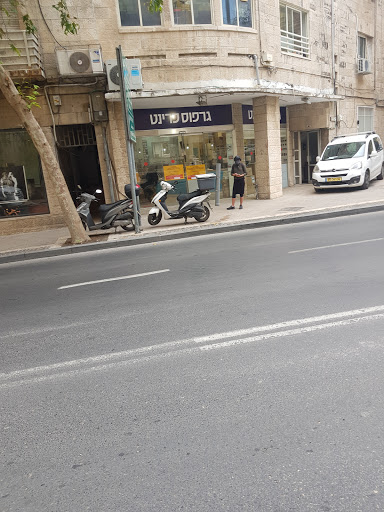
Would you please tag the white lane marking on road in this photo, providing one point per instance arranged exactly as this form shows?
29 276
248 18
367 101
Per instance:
336 245
291 332
108 361
289 323
182 351
202 339
209 337
114 279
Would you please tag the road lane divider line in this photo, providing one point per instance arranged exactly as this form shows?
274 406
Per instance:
291 332
106 361
190 341
289 323
335 245
215 336
87 283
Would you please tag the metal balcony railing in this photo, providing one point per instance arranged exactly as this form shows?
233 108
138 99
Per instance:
29 63
294 43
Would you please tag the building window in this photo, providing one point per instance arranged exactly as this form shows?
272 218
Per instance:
363 55
135 13
192 12
362 47
294 31
237 12
365 119
22 188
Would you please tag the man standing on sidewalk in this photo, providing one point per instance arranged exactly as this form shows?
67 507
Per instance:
238 172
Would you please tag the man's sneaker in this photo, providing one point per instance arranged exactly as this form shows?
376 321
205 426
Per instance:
241 207
230 208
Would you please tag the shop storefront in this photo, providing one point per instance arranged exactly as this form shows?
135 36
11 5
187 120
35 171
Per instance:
177 144
22 188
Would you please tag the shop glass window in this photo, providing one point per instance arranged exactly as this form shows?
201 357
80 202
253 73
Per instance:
189 12
294 31
135 13
365 119
237 12
22 188
157 157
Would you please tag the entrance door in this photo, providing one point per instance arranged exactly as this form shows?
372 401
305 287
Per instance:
309 149
79 159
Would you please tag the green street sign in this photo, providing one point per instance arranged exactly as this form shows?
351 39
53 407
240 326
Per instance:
128 102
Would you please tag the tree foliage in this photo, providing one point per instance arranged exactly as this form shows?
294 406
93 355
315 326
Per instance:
155 5
68 23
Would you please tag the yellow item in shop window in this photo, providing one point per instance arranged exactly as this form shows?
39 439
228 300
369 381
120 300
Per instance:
173 172
193 170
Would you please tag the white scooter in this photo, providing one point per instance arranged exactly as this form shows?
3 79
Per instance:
190 205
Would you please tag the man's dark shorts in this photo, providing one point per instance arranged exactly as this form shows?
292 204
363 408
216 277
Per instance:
238 187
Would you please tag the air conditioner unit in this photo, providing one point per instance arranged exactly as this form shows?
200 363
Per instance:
363 66
79 62
135 76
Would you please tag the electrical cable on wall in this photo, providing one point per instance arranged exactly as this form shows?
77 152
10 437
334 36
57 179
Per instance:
46 24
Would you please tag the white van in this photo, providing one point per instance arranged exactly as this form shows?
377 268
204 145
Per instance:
349 161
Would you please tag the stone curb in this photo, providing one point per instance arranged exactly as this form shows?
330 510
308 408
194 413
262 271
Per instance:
175 235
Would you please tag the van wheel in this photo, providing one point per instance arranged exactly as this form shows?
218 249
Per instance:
381 175
365 185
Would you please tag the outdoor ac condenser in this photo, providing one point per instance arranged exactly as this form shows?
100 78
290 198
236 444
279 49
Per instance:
363 66
79 62
135 76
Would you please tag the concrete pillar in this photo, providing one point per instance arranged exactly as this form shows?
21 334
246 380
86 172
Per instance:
266 118
238 137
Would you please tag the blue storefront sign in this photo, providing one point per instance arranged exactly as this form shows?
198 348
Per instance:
248 114
165 118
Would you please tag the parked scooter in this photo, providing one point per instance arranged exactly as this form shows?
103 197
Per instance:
112 215
190 205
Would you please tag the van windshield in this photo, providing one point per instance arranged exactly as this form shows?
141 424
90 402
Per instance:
345 150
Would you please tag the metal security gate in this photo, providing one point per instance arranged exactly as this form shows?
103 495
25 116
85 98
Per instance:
74 135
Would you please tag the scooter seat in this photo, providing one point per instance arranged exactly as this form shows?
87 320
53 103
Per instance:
186 197
105 207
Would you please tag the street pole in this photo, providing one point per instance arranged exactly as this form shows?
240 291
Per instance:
218 178
129 128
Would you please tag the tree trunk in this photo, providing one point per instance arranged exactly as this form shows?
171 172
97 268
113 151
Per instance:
47 155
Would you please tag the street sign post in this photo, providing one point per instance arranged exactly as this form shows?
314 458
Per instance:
129 126
128 101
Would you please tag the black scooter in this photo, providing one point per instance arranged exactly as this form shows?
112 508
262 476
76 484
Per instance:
112 215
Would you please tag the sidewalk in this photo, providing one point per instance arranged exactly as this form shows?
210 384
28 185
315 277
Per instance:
298 204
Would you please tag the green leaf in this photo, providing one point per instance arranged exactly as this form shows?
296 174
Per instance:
29 25
155 6
16 50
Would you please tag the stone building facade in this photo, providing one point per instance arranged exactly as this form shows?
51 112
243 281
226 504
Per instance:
271 81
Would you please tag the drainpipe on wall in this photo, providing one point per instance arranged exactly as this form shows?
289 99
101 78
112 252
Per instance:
255 59
333 59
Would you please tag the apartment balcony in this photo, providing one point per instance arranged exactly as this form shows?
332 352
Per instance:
26 64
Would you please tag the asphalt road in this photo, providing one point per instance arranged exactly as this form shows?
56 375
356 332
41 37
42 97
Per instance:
233 372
